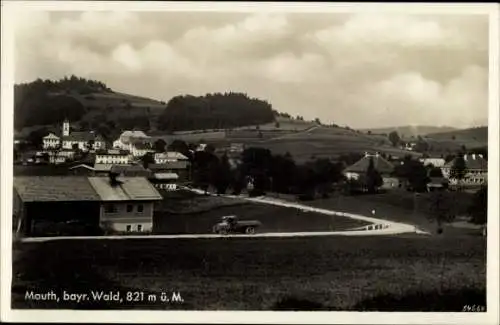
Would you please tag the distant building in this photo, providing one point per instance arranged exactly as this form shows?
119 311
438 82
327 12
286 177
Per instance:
112 156
136 142
165 181
83 140
180 167
170 156
48 204
357 171
476 171
436 162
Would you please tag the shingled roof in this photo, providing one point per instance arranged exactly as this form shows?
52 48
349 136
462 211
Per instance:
380 164
54 188
126 189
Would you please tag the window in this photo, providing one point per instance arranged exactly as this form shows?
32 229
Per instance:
139 227
129 228
140 208
129 207
110 208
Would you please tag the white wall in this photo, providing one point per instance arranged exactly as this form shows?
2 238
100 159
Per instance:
121 218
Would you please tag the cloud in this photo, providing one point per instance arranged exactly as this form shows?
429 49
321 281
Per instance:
363 70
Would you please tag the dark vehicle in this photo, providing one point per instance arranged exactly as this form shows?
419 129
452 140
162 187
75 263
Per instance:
231 224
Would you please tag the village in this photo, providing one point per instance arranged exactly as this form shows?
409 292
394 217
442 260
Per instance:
119 184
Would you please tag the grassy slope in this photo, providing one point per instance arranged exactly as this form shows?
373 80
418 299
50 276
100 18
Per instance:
408 131
237 273
471 138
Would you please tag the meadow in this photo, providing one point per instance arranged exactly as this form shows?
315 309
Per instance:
397 273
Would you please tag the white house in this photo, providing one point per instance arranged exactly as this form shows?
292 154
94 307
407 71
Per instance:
51 141
124 140
170 156
127 203
476 171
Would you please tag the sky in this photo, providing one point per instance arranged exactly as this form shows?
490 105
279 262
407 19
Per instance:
364 70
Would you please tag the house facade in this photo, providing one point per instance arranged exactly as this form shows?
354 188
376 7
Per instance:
112 156
107 204
476 171
127 203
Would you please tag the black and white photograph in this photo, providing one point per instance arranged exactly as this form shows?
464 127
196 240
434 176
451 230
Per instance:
255 157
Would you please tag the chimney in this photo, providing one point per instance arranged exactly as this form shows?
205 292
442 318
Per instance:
113 179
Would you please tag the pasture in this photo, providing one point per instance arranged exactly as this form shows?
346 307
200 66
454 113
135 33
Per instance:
397 273
190 213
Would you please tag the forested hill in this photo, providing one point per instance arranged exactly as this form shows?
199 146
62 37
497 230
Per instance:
91 104
214 111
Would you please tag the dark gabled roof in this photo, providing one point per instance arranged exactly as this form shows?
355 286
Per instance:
380 164
54 188
471 162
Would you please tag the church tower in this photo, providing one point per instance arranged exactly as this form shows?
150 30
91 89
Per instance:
65 128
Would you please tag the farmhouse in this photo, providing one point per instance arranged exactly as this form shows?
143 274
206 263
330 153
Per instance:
165 181
181 168
88 205
82 140
476 171
170 156
357 171
127 203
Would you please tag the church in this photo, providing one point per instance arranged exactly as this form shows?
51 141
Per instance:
84 140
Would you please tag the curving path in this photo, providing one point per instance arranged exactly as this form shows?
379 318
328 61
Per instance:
377 226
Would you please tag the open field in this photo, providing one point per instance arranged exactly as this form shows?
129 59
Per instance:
395 206
197 214
347 273
273 218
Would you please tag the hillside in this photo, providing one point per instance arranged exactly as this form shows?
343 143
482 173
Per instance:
454 140
409 131
88 104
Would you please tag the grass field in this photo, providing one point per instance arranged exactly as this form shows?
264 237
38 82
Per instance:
401 273
191 213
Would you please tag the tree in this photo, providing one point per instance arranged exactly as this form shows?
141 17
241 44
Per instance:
441 209
221 175
277 124
317 121
181 147
458 169
373 178
159 145
414 172
478 210
147 159
394 138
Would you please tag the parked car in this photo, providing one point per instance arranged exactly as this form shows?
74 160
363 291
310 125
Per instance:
231 224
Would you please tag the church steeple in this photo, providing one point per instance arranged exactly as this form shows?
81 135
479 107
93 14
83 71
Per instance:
65 128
